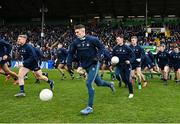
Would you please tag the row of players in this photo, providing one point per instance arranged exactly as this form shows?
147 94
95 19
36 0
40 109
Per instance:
89 52
163 62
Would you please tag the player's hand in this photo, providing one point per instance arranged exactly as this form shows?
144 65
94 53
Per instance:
5 57
127 62
100 57
112 66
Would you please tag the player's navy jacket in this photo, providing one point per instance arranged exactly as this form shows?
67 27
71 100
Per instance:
88 51
62 53
123 53
139 52
107 55
29 54
162 58
5 48
147 62
175 59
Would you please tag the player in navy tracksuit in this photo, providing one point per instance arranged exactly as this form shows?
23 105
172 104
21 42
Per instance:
89 51
30 62
5 49
136 65
39 54
163 58
146 63
152 57
123 68
175 62
61 61
149 61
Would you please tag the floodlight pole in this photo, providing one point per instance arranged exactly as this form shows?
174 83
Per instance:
146 14
43 10
42 24
42 21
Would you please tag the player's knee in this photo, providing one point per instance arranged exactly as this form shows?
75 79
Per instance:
38 75
88 84
166 68
138 72
139 75
165 71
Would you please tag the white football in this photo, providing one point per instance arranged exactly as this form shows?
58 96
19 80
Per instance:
114 60
46 95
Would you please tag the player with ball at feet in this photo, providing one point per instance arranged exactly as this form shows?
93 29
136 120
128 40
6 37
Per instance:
123 67
30 62
89 52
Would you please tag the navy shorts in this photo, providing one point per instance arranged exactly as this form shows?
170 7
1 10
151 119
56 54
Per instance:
162 65
150 65
33 66
59 62
136 65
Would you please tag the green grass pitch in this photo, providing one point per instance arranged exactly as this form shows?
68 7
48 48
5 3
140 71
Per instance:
156 103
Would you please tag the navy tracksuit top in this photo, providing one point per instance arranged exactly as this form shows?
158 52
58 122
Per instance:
87 50
123 53
29 54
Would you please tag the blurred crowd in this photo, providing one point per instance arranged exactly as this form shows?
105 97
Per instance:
106 33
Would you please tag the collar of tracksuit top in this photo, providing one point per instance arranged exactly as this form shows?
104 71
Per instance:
25 49
86 64
83 38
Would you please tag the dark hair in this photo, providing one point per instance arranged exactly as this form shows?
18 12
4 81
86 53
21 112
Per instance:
134 37
120 35
23 36
79 26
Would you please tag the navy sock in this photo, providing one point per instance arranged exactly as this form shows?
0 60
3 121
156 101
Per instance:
49 81
21 88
